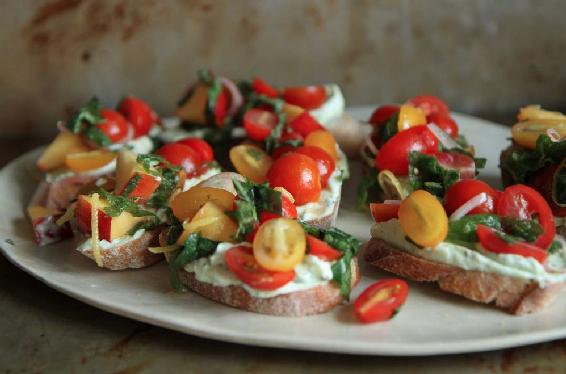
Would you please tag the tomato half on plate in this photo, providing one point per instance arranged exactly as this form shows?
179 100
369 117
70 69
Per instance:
304 124
321 249
464 164
183 156
139 114
263 88
381 301
493 241
383 212
430 104
383 113
323 160
240 260
201 146
259 123
462 191
307 97
114 125
445 122
523 202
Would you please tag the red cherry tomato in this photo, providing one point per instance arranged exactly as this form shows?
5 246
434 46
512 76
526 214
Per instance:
289 210
201 146
462 191
430 104
323 160
464 164
298 174
240 260
383 212
307 97
139 114
259 123
263 88
445 122
304 124
181 155
492 242
542 182
394 155
523 202
383 113
381 301
114 125
321 249
291 136
282 150
221 107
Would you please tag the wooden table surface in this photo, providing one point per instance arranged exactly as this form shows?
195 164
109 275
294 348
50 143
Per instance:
43 330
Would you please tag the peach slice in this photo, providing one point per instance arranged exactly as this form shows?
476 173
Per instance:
212 223
109 228
87 161
186 204
194 108
38 211
127 168
54 156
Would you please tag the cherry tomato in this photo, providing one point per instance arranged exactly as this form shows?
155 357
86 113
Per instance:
381 301
259 123
304 124
240 260
280 151
383 212
307 97
423 219
523 202
263 88
394 155
492 242
410 116
445 122
114 125
250 161
321 249
139 114
464 164
323 139
383 113
462 191
527 133
181 155
289 210
430 104
280 244
323 160
298 174
201 146
221 107
292 136
542 182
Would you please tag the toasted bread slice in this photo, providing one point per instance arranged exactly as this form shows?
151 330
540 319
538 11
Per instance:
350 133
319 299
132 254
515 295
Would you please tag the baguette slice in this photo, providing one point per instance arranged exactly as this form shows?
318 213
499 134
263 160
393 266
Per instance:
515 295
319 299
130 255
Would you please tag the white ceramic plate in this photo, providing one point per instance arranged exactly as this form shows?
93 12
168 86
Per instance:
431 322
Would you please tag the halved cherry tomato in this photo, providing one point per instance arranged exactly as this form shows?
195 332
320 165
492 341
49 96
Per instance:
381 301
321 249
298 174
280 244
201 146
259 123
241 261
462 191
323 139
527 133
289 210
323 160
423 219
542 181
445 122
430 104
221 107
250 161
394 155
304 124
181 155
139 114
263 88
464 164
280 151
383 113
492 242
523 202
410 116
114 125
383 212
307 97
291 136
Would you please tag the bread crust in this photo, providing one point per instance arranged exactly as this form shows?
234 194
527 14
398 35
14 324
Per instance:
515 295
319 299
131 255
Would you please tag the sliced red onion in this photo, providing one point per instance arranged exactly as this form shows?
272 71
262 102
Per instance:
443 137
392 202
236 96
371 146
468 206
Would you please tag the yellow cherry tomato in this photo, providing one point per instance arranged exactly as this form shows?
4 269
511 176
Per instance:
410 116
291 112
526 133
423 219
536 112
212 223
322 139
251 161
280 244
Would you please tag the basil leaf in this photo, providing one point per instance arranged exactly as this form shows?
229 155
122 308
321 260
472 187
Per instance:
464 230
529 230
559 185
389 129
167 185
90 114
342 274
368 188
425 172
148 224
131 185
195 247
94 134
555 247
119 204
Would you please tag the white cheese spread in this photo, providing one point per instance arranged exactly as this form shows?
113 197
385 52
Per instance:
191 182
106 245
332 108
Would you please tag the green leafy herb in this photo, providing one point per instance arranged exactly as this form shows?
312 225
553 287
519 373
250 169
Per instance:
149 162
425 172
131 185
389 129
119 204
367 188
10 241
168 184
464 229
559 185
84 122
555 247
528 230
147 224
195 247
